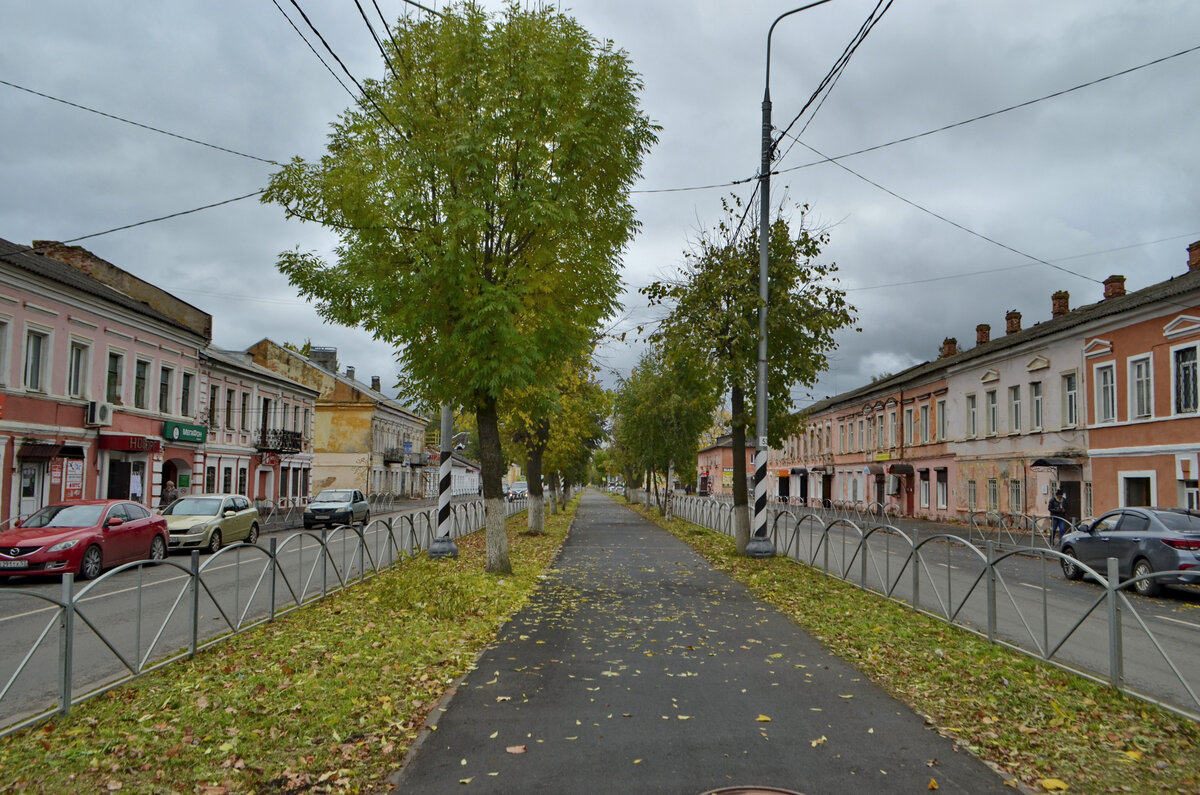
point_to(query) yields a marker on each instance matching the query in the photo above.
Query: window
(214, 395)
(1087, 499)
(210, 479)
(165, 376)
(77, 369)
(943, 489)
(972, 496)
(841, 438)
(861, 439)
(993, 413)
(245, 426)
(227, 479)
(241, 480)
(1015, 502)
(1035, 409)
(141, 374)
(1140, 402)
(1137, 491)
(941, 425)
(895, 430)
(972, 427)
(3, 351)
(229, 393)
(924, 488)
(37, 349)
(923, 430)
(296, 418)
(185, 395)
(1070, 401)
(993, 494)
(114, 380)
(1106, 393)
(908, 426)
(1184, 360)
(1014, 409)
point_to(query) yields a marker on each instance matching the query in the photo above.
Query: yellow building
(361, 438)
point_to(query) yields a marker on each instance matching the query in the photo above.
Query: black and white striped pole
(760, 546)
(443, 546)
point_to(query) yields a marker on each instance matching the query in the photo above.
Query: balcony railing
(276, 440)
(393, 455)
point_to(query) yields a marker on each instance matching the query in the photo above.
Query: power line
(160, 218)
(314, 50)
(114, 117)
(375, 36)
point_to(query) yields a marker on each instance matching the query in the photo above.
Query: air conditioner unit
(99, 414)
(893, 484)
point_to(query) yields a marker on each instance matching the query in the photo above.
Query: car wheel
(1070, 566)
(253, 537)
(92, 563)
(1145, 587)
(366, 518)
(158, 548)
(214, 541)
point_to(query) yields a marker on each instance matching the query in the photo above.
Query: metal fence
(974, 582)
(85, 645)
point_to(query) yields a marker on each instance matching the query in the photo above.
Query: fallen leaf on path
(1054, 785)
(516, 749)
(763, 719)
(493, 735)
(933, 783)
(819, 741)
(466, 780)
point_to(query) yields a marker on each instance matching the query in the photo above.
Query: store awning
(71, 451)
(1056, 462)
(873, 469)
(799, 471)
(39, 451)
(900, 469)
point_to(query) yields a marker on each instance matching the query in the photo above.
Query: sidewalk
(638, 668)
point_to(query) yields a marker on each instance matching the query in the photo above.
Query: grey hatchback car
(337, 506)
(1143, 540)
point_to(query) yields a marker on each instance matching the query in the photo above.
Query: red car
(83, 537)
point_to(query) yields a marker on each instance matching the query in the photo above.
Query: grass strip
(326, 699)
(1051, 729)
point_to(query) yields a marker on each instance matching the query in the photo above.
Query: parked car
(335, 507)
(517, 490)
(1143, 540)
(82, 537)
(209, 521)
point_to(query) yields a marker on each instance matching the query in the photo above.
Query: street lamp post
(443, 545)
(760, 546)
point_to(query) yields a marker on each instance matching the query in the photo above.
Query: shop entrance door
(33, 479)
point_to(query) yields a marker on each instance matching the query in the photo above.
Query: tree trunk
(491, 465)
(741, 514)
(553, 493)
(668, 511)
(649, 478)
(535, 448)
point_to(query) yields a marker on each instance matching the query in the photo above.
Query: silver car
(336, 507)
(1143, 540)
(209, 521)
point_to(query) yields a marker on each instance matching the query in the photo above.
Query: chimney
(375, 383)
(983, 333)
(1012, 322)
(350, 372)
(1060, 303)
(325, 358)
(1114, 286)
(1194, 256)
(949, 347)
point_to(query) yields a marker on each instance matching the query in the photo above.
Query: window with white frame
(1183, 379)
(185, 394)
(943, 489)
(908, 426)
(245, 424)
(166, 377)
(1106, 393)
(229, 398)
(841, 438)
(993, 412)
(1070, 397)
(894, 429)
(1140, 401)
(37, 360)
(78, 365)
(1087, 499)
(861, 439)
(1014, 409)
(993, 494)
(1016, 502)
(214, 397)
(879, 436)
(972, 496)
(924, 488)
(4, 325)
(923, 428)
(114, 383)
(1035, 405)
(941, 422)
(141, 387)
(972, 425)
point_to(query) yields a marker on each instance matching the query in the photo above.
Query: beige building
(361, 438)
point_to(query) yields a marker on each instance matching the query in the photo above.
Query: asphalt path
(637, 667)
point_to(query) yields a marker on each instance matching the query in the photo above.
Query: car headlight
(63, 545)
(198, 528)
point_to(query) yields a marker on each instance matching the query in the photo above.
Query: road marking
(1179, 621)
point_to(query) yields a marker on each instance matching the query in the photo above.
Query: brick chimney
(1060, 303)
(1012, 322)
(1114, 286)
(983, 333)
(350, 373)
(375, 383)
(949, 347)
(1194, 256)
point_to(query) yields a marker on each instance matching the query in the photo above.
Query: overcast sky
(1102, 180)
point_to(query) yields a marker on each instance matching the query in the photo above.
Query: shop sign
(184, 432)
(185, 480)
(883, 456)
(784, 473)
(270, 459)
(73, 488)
(727, 478)
(130, 444)
(56, 471)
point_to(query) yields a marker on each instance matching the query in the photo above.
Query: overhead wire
(314, 50)
(378, 43)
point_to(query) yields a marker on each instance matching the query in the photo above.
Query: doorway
(784, 488)
(33, 484)
(1071, 488)
(126, 480)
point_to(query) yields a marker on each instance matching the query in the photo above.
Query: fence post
(1116, 664)
(272, 563)
(916, 564)
(66, 644)
(991, 592)
(195, 585)
(324, 559)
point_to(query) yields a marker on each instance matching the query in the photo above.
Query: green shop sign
(183, 432)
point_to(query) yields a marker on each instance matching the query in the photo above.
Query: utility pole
(443, 546)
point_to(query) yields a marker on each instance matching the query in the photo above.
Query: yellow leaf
(933, 783)
(225, 747)
(466, 780)
(1054, 785)
(763, 719)
(845, 696)
(1135, 755)
(462, 762)
(819, 741)
(637, 761)
(492, 736)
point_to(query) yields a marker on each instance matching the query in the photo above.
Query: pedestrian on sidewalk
(169, 494)
(1058, 516)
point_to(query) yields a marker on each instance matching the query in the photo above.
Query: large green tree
(714, 303)
(481, 196)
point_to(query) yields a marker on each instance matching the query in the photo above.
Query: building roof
(28, 260)
(240, 360)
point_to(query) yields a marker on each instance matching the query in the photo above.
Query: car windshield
(194, 506)
(333, 496)
(520, 487)
(1180, 522)
(66, 516)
